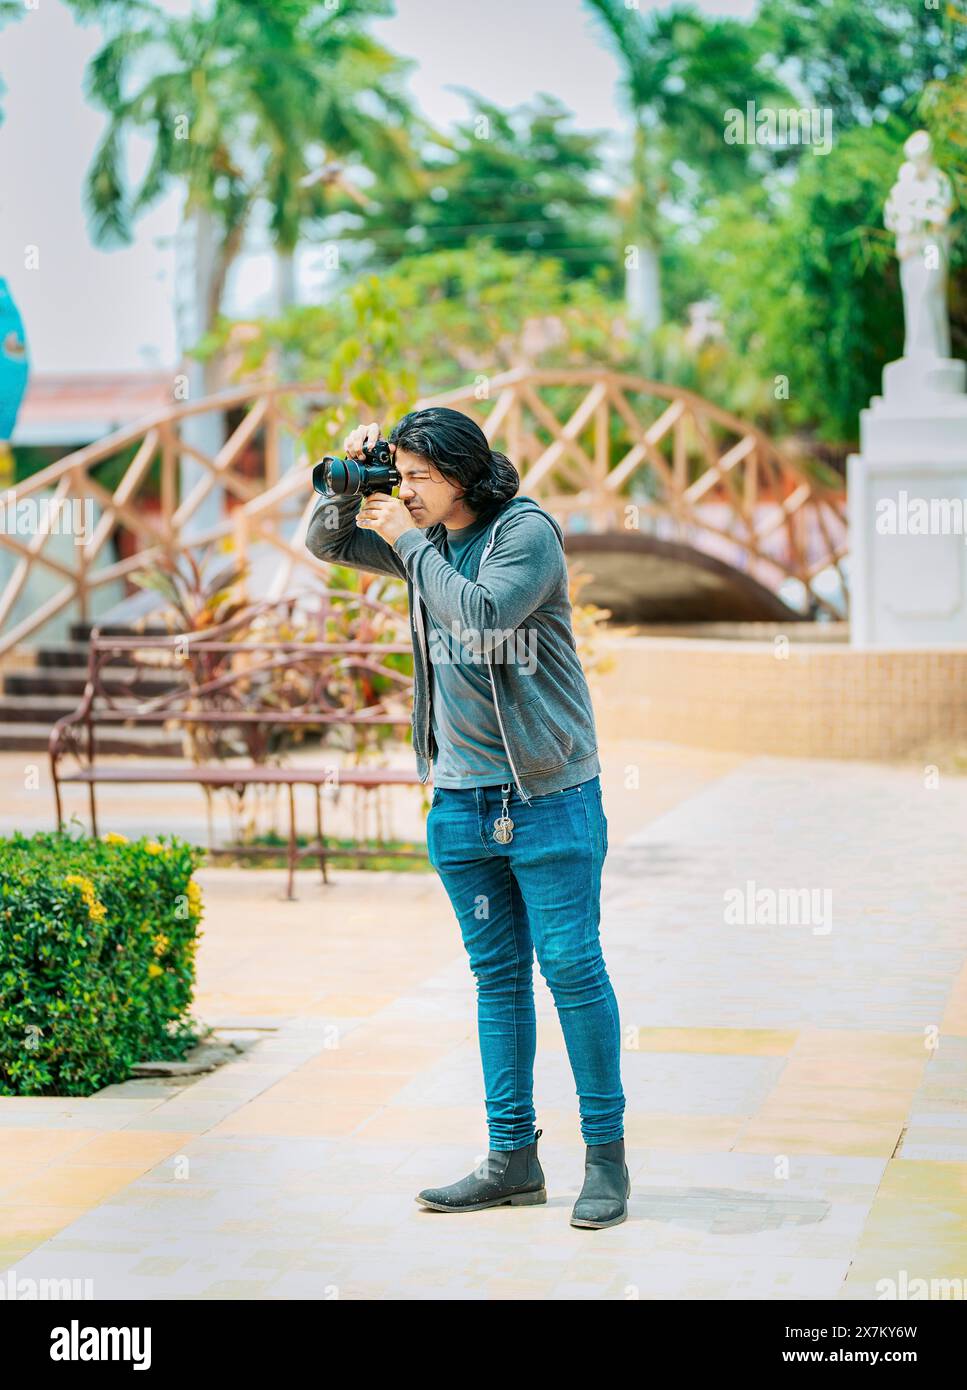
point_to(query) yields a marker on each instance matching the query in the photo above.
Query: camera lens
(336, 476)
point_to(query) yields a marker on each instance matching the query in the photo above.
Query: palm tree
(682, 72)
(240, 103)
(241, 99)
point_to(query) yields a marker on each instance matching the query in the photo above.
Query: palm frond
(104, 192)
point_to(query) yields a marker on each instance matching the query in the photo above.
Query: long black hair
(458, 447)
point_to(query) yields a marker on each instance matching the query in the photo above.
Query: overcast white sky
(87, 309)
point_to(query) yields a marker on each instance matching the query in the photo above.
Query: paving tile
(307, 1118)
(36, 1222)
(25, 1145)
(319, 1075)
(352, 1005)
(73, 1184)
(666, 1131)
(803, 1175)
(38, 1113)
(130, 1147)
(912, 1181)
(799, 1102)
(244, 1289)
(901, 1275)
(940, 1148)
(400, 1123)
(758, 1042)
(917, 1224)
(788, 1135)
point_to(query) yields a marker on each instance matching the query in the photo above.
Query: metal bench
(221, 682)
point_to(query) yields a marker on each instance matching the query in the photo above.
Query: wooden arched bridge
(678, 508)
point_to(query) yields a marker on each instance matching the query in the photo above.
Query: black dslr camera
(350, 478)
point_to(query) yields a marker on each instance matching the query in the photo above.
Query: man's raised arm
(334, 536)
(332, 533)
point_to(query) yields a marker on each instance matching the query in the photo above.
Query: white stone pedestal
(907, 493)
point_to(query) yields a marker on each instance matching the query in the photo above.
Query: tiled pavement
(797, 1095)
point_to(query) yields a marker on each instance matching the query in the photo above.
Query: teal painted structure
(13, 361)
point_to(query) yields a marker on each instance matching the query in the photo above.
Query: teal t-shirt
(470, 751)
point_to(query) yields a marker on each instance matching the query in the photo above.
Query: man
(516, 828)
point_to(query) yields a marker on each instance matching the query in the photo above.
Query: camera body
(351, 478)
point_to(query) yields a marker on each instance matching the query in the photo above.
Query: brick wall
(814, 700)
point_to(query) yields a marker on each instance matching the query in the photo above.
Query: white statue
(918, 211)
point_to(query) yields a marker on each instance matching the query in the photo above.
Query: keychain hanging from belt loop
(503, 825)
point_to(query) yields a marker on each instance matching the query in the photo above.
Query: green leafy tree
(943, 107)
(681, 73)
(804, 272)
(865, 62)
(433, 321)
(809, 288)
(944, 111)
(524, 179)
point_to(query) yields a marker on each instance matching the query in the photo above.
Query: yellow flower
(96, 911)
(84, 884)
(161, 944)
(155, 970)
(193, 893)
(113, 838)
(154, 848)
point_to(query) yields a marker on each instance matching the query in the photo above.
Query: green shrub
(97, 958)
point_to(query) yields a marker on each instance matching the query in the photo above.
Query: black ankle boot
(607, 1187)
(507, 1177)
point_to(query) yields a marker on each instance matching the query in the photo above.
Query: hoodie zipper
(500, 725)
(493, 683)
(418, 609)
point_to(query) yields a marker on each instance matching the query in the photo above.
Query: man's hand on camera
(361, 438)
(385, 515)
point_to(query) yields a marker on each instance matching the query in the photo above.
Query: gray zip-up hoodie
(518, 602)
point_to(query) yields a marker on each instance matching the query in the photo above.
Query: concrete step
(61, 654)
(27, 737)
(35, 709)
(81, 631)
(71, 681)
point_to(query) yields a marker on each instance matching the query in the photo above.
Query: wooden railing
(601, 451)
(609, 452)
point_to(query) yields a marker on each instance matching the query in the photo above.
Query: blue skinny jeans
(539, 893)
